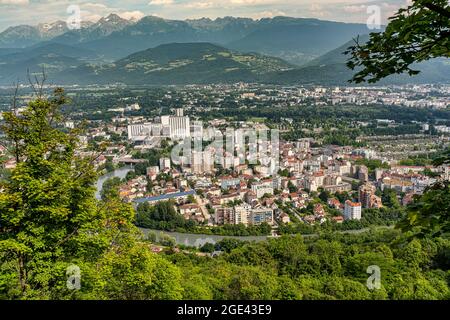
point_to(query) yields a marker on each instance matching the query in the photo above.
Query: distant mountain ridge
(102, 28)
(300, 40)
(296, 40)
(205, 63)
(331, 68)
(25, 35)
(159, 51)
(50, 57)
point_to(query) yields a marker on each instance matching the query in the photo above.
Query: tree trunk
(22, 273)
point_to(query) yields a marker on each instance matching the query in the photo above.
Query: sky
(32, 12)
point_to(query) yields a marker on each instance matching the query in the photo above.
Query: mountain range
(158, 51)
(295, 40)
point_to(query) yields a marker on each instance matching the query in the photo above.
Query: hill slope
(51, 57)
(330, 68)
(180, 63)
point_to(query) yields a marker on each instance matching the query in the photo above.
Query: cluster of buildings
(228, 189)
(404, 95)
(175, 127)
(241, 172)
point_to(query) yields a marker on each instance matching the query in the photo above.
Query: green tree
(50, 219)
(417, 33)
(251, 283)
(389, 198)
(109, 166)
(207, 247)
(110, 188)
(47, 208)
(429, 214)
(324, 195)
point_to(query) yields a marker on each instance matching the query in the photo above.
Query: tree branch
(437, 9)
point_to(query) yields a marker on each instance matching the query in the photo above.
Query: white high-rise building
(165, 120)
(202, 161)
(197, 129)
(242, 213)
(260, 215)
(352, 210)
(175, 127)
(260, 189)
(164, 163)
(139, 131)
(179, 126)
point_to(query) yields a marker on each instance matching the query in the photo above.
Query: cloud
(15, 12)
(160, 2)
(199, 5)
(89, 16)
(318, 10)
(15, 2)
(132, 15)
(93, 6)
(251, 2)
(355, 8)
(268, 14)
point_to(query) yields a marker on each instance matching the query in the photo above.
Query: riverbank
(198, 240)
(120, 173)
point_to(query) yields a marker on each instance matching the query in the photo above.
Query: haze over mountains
(159, 51)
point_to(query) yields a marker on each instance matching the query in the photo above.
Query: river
(120, 172)
(198, 240)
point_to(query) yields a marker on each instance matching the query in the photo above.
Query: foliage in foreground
(332, 266)
(417, 33)
(50, 220)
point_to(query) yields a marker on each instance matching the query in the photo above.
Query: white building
(138, 132)
(352, 210)
(179, 126)
(261, 215)
(242, 213)
(164, 163)
(260, 189)
(202, 161)
(197, 129)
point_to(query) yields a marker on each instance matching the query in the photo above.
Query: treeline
(313, 114)
(162, 216)
(372, 164)
(332, 266)
(53, 231)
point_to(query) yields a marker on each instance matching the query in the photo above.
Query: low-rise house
(338, 219)
(284, 218)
